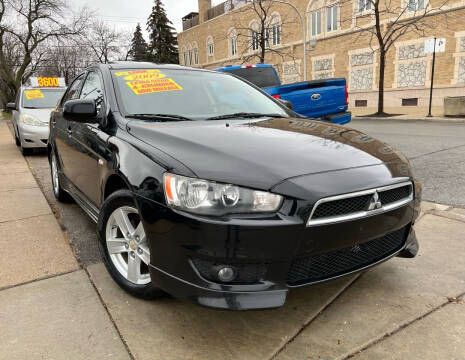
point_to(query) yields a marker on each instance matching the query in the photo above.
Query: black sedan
(204, 187)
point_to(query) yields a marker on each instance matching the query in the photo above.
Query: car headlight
(214, 199)
(31, 120)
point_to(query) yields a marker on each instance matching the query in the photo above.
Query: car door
(89, 142)
(62, 130)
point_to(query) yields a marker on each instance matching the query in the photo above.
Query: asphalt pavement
(436, 152)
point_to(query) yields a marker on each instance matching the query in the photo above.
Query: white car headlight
(214, 199)
(31, 120)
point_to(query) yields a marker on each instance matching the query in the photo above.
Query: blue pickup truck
(325, 100)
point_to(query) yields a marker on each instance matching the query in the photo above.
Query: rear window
(261, 77)
(41, 98)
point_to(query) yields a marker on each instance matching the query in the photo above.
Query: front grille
(246, 273)
(342, 206)
(357, 204)
(393, 195)
(339, 262)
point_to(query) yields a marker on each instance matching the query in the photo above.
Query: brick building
(212, 38)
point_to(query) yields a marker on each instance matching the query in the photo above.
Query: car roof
(141, 65)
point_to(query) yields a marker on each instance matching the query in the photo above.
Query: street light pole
(304, 32)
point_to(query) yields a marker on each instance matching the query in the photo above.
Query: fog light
(226, 274)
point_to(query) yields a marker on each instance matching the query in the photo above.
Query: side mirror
(286, 103)
(11, 106)
(81, 110)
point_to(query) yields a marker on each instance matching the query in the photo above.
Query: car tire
(25, 151)
(124, 247)
(60, 194)
(17, 141)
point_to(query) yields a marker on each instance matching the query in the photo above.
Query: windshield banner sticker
(33, 94)
(141, 87)
(148, 81)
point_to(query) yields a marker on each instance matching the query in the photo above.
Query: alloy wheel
(127, 245)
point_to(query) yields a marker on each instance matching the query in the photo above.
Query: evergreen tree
(138, 51)
(163, 45)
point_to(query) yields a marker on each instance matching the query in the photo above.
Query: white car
(31, 113)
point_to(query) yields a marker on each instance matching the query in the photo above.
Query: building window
(416, 5)
(254, 40)
(232, 42)
(276, 34)
(331, 18)
(196, 56)
(233, 46)
(210, 46)
(316, 22)
(364, 5)
(190, 57)
(184, 55)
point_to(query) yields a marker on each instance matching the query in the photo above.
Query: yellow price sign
(33, 94)
(48, 81)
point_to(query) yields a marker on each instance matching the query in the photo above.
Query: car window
(73, 90)
(92, 89)
(262, 77)
(194, 94)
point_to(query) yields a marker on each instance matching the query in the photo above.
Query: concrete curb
(432, 120)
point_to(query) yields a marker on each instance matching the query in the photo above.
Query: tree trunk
(382, 64)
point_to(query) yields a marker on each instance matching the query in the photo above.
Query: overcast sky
(125, 14)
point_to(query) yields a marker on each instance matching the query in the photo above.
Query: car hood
(42, 115)
(263, 153)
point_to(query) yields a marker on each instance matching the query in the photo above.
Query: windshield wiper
(245, 115)
(159, 117)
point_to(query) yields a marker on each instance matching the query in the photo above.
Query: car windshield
(196, 95)
(41, 98)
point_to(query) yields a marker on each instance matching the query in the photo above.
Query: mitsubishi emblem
(375, 202)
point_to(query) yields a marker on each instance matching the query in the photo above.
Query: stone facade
(461, 74)
(343, 51)
(412, 51)
(411, 74)
(361, 79)
(324, 64)
(361, 59)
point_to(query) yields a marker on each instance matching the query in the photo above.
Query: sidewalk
(48, 306)
(404, 113)
(51, 308)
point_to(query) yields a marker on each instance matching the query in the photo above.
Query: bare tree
(28, 24)
(106, 43)
(66, 58)
(390, 21)
(264, 34)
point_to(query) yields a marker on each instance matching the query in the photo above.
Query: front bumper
(179, 242)
(232, 298)
(33, 136)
